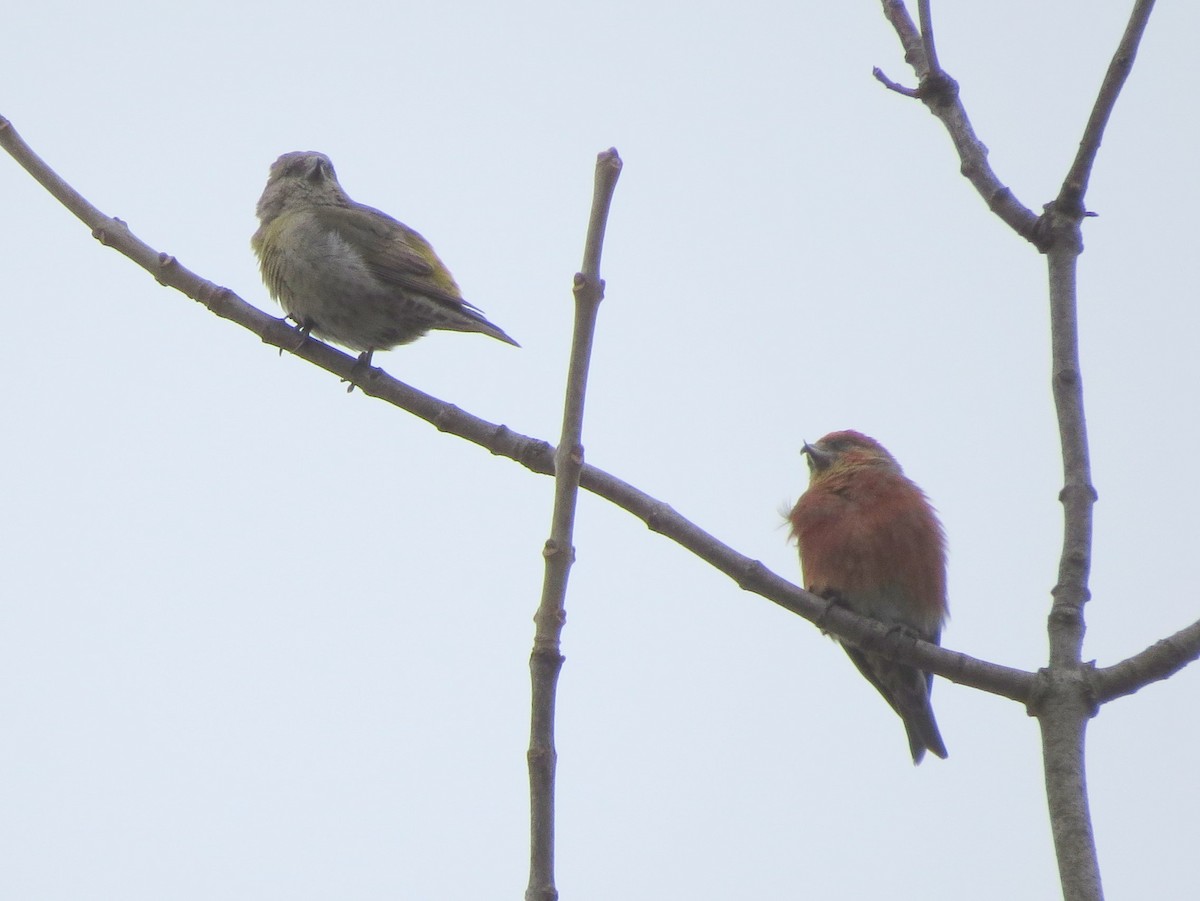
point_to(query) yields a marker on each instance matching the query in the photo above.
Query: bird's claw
(363, 365)
(832, 599)
(305, 331)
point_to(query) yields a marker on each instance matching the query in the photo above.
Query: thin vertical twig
(546, 661)
(1061, 225)
(926, 19)
(1078, 497)
(1069, 700)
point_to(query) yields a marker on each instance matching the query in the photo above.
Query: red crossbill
(347, 272)
(869, 539)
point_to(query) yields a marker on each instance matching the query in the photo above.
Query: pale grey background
(261, 639)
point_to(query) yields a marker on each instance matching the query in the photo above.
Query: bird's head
(300, 179)
(843, 450)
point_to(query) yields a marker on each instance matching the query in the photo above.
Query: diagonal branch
(1161, 660)
(1070, 197)
(535, 454)
(166, 269)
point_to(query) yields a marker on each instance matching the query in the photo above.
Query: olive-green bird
(347, 272)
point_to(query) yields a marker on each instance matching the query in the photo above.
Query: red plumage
(869, 538)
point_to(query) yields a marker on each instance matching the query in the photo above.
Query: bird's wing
(395, 254)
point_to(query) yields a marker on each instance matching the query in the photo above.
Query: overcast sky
(262, 639)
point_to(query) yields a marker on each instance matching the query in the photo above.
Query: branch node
(587, 289)
(1051, 688)
(444, 420)
(659, 517)
(217, 298)
(938, 89)
(751, 575)
(109, 232)
(1067, 378)
(548, 659)
(166, 262)
(1039, 693)
(500, 436)
(532, 453)
(999, 197)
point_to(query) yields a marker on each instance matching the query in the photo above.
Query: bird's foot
(833, 598)
(361, 369)
(304, 329)
(903, 629)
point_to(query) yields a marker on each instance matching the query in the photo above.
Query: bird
(869, 539)
(349, 273)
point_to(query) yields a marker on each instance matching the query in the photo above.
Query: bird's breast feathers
(873, 539)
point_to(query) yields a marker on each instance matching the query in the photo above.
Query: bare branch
(926, 19)
(1078, 496)
(1063, 718)
(1061, 227)
(545, 662)
(893, 85)
(939, 92)
(1070, 197)
(1159, 661)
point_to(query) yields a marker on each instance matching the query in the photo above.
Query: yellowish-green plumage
(350, 273)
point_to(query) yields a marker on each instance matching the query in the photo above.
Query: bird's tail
(923, 733)
(906, 689)
(469, 319)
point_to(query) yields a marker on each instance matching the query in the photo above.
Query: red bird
(869, 539)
